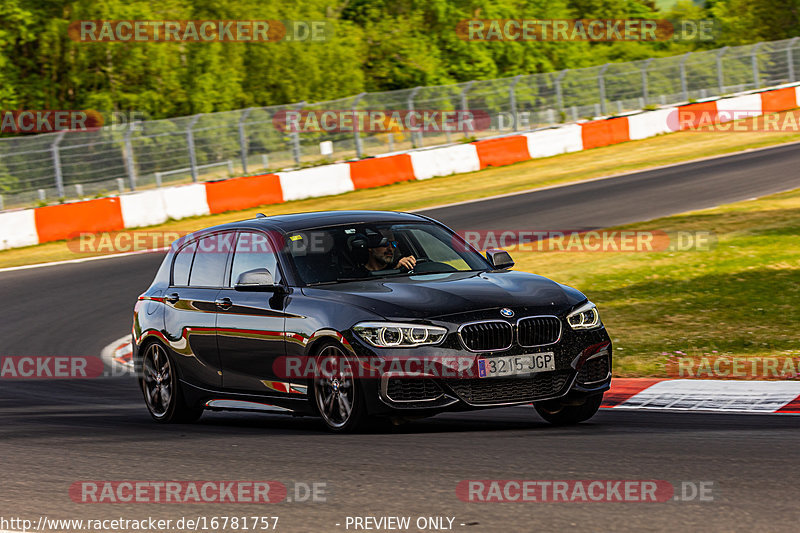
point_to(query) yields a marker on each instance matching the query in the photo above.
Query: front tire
(161, 388)
(560, 414)
(338, 397)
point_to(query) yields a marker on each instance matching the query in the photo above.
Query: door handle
(173, 297)
(223, 303)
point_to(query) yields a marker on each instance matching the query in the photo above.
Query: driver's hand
(407, 262)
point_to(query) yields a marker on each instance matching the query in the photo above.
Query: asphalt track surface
(54, 433)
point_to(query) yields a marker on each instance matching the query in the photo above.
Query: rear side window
(208, 268)
(253, 250)
(183, 264)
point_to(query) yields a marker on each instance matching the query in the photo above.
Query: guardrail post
(121, 185)
(190, 144)
(463, 98)
(295, 136)
(684, 83)
(356, 131)
(720, 72)
(512, 100)
(645, 91)
(1, 203)
(78, 190)
(57, 163)
(601, 82)
(243, 139)
(157, 176)
(790, 57)
(230, 167)
(559, 90)
(754, 60)
(410, 105)
(129, 162)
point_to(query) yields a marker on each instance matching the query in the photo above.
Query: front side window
(208, 268)
(253, 250)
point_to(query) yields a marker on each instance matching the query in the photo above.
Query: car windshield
(370, 251)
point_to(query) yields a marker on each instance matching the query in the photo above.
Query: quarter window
(183, 264)
(208, 268)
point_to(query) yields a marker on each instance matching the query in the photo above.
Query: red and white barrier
(651, 123)
(51, 223)
(185, 201)
(456, 159)
(142, 209)
(554, 141)
(315, 181)
(17, 229)
(726, 396)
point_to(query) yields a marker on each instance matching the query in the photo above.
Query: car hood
(440, 295)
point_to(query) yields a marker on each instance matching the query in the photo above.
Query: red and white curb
(119, 355)
(726, 396)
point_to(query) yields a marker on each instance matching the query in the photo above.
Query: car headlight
(394, 335)
(584, 317)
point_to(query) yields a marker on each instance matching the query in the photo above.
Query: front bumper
(583, 368)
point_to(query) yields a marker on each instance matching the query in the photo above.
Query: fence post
(129, 162)
(57, 163)
(356, 131)
(512, 100)
(684, 83)
(601, 82)
(720, 75)
(190, 144)
(754, 60)
(645, 92)
(559, 90)
(410, 104)
(243, 139)
(295, 136)
(790, 57)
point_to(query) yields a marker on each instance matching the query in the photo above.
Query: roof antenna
(261, 215)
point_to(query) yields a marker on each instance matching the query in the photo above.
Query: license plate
(515, 365)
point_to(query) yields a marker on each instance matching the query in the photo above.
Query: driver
(381, 256)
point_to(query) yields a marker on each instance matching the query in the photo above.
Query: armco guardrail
(138, 209)
(48, 168)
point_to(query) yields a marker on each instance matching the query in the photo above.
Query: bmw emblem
(506, 312)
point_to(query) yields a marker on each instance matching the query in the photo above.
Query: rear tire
(560, 414)
(337, 395)
(162, 390)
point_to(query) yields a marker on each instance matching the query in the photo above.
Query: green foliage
(376, 45)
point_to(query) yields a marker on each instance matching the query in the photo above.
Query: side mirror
(499, 258)
(258, 279)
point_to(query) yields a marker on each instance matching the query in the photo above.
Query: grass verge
(740, 298)
(610, 160)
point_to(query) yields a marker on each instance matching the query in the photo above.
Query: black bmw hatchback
(355, 316)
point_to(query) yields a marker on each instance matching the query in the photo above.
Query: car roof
(302, 221)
